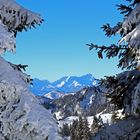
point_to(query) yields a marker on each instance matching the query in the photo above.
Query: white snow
(21, 114)
(61, 84)
(75, 83)
(58, 115)
(67, 78)
(94, 83)
(83, 91)
(106, 118)
(91, 99)
(54, 95)
(131, 29)
(48, 95)
(20, 16)
(13, 16)
(7, 39)
(68, 120)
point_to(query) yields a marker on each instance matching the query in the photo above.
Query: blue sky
(57, 48)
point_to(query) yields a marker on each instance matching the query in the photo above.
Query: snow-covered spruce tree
(96, 125)
(79, 129)
(21, 115)
(65, 130)
(124, 88)
(74, 130)
(86, 129)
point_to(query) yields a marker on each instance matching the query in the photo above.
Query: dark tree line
(80, 130)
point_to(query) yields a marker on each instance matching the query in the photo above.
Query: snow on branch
(132, 20)
(124, 91)
(7, 39)
(129, 44)
(132, 38)
(16, 17)
(20, 68)
(21, 115)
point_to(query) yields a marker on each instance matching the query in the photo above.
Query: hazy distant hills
(63, 86)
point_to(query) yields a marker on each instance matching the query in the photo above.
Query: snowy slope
(65, 85)
(106, 118)
(88, 101)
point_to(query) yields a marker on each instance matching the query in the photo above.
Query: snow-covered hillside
(65, 85)
(88, 101)
(106, 118)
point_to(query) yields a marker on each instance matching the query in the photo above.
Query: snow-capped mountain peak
(64, 85)
(61, 84)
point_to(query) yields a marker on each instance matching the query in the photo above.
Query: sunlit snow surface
(21, 114)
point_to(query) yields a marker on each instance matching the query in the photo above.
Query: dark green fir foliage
(80, 130)
(115, 117)
(65, 130)
(86, 129)
(73, 130)
(123, 89)
(97, 124)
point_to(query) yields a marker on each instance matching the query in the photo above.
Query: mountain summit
(64, 85)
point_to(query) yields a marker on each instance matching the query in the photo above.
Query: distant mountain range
(63, 86)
